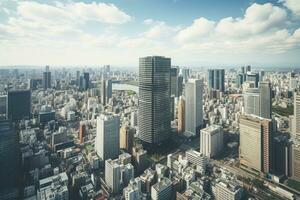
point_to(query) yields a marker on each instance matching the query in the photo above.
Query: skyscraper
(252, 101)
(265, 99)
(296, 122)
(127, 137)
(193, 106)
(18, 104)
(106, 91)
(9, 162)
(216, 79)
(154, 103)
(181, 115)
(47, 79)
(86, 81)
(296, 161)
(173, 76)
(256, 143)
(107, 142)
(253, 77)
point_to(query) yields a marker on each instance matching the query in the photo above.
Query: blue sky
(191, 32)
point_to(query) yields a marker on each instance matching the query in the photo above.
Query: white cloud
(159, 29)
(293, 5)
(200, 28)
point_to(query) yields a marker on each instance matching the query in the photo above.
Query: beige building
(181, 115)
(255, 143)
(296, 123)
(126, 137)
(296, 162)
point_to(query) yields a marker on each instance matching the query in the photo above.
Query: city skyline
(206, 33)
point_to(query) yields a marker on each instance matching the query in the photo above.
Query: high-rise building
(173, 77)
(126, 137)
(179, 87)
(181, 115)
(296, 122)
(211, 141)
(107, 142)
(82, 132)
(252, 101)
(154, 97)
(161, 190)
(248, 68)
(106, 91)
(296, 161)
(239, 80)
(118, 174)
(133, 119)
(256, 143)
(282, 155)
(185, 73)
(34, 83)
(216, 79)
(18, 104)
(3, 105)
(193, 106)
(265, 99)
(86, 81)
(9, 162)
(197, 159)
(253, 77)
(47, 79)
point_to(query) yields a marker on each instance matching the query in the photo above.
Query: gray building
(107, 140)
(106, 91)
(252, 101)
(265, 99)
(18, 104)
(193, 106)
(46, 79)
(161, 190)
(216, 79)
(154, 99)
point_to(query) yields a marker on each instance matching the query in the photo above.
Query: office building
(47, 79)
(265, 100)
(106, 91)
(193, 106)
(296, 161)
(154, 97)
(18, 104)
(185, 73)
(254, 77)
(133, 191)
(134, 119)
(54, 187)
(173, 77)
(282, 156)
(181, 115)
(179, 87)
(211, 141)
(256, 143)
(161, 190)
(252, 101)
(86, 81)
(33, 84)
(82, 132)
(3, 104)
(107, 141)
(239, 80)
(216, 79)
(229, 191)
(118, 174)
(126, 138)
(197, 159)
(9, 160)
(46, 114)
(296, 123)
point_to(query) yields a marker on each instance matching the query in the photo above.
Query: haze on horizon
(194, 33)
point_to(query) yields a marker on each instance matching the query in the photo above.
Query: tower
(154, 103)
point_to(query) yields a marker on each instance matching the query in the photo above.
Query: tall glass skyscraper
(154, 103)
(216, 79)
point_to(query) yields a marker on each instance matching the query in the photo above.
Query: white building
(193, 106)
(133, 191)
(197, 159)
(227, 191)
(54, 187)
(211, 141)
(107, 140)
(162, 190)
(118, 174)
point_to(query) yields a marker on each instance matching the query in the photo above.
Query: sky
(196, 33)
